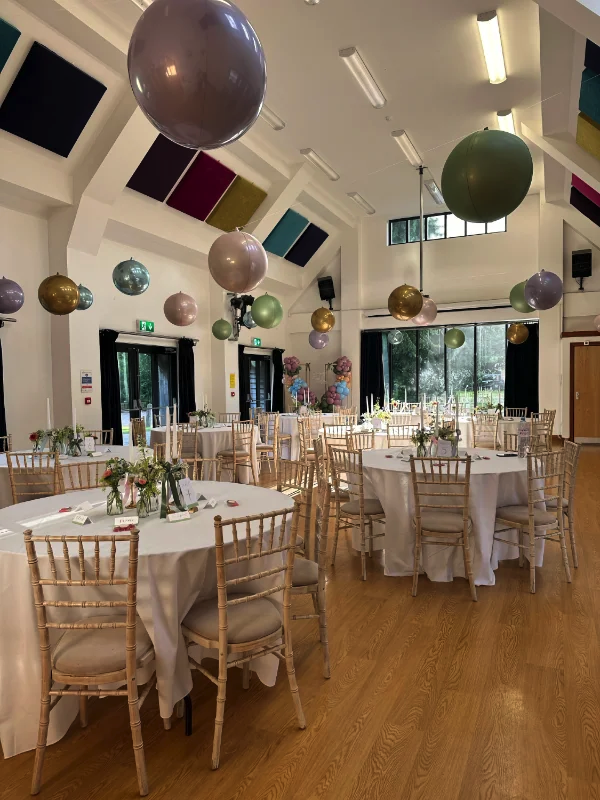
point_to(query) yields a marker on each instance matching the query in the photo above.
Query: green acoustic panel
(588, 135)
(589, 96)
(9, 36)
(237, 206)
(285, 233)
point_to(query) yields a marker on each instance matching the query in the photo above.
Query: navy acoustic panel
(307, 245)
(161, 168)
(585, 205)
(50, 101)
(9, 36)
(592, 56)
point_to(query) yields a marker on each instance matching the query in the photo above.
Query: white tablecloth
(288, 424)
(495, 481)
(176, 566)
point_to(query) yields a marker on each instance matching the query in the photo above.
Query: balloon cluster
(291, 365)
(306, 395)
(542, 291)
(342, 366)
(297, 386)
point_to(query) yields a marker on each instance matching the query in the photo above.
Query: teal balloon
(131, 277)
(517, 299)
(454, 338)
(487, 176)
(267, 311)
(222, 329)
(86, 298)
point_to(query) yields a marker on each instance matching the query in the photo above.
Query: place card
(95, 454)
(444, 448)
(188, 493)
(122, 521)
(178, 516)
(211, 503)
(81, 519)
(201, 504)
(85, 506)
(89, 443)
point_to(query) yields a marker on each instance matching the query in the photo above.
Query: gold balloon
(322, 320)
(58, 294)
(405, 302)
(517, 333)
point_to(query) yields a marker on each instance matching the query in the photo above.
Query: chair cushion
(441, 521)
(299, 541)
(520, 515)
(554, 504)
(372, 507)
(305, 572)
(264, 446)
(230, 453)
(95, 652)
(245, 622)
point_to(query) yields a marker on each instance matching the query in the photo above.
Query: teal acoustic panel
(285, 233)
(589, 96)
(9, 36)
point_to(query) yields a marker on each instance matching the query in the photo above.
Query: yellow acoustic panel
(588, 135)
(237, 206)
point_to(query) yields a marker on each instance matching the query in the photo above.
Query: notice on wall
(232, 380)
(86, 381)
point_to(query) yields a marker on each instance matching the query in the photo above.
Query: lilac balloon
(318, 340)
(197, 71)
(238, 262)
(11, 296)
(427, 314)
(543, 290)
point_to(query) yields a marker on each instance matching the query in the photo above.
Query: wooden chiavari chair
(400, 435)
(248, 625)
(309, 429)
(255, 413)
(572, 453)
(268, 450)
(94, 650)
(34, 475)
(485, 431)
(188, 427)
(545, 483)
(364, 440)
(229, 417)
(351, 411)
(189, 451)
(542, 424)
(335, 436)
(349, 420)
(402, 419)
(515, 412)
(86, 475)
(6, 443)
(357, 512)
(296, 480)
(241, 454)
(160, 449)
(537, 444)
(441, 492)
(102, 437)
(137, 430)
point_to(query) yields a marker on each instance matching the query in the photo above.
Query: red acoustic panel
(201, 188)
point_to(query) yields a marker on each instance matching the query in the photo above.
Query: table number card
(89, 444)
(444, 448)
(179, 516)
(81, 519)
(211, 503)
(121, 522)
(188, 494)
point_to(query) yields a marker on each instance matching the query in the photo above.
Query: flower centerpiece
(38, 438)
(147, 475)
(421, 438)
(74, 440)
(378, 417)
(57, 439)
(205, 417)
(116, 471)
(171, 473)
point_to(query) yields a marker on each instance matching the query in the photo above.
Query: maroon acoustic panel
(202, 186)
(161, 168)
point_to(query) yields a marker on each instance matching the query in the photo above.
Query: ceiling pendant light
(271, 117)
(506, 121)
(408, 148)
(363, 77)
(360, 201)
(434, 191)
(491, 41)
(316, 159)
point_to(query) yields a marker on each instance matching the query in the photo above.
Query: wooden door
(585, 392)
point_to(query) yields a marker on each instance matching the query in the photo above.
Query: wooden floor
(430, 697)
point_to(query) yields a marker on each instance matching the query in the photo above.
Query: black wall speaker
(582, 263)
(326, 290)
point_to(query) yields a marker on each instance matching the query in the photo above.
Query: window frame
(445, 214)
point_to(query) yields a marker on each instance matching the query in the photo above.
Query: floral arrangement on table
(486, 408)
(421, 438)
(147, 475)
(60, 440)
(336, 393)
(116, 471)
(378, 416)
(171, 474)
(206, 417)
(447, 433)
(38, 438)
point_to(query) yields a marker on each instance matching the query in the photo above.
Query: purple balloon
(11, 296)
(543, 290)
(318, 340)
(197, 71)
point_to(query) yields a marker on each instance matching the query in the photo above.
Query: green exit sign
(145, 326)
(256, 342)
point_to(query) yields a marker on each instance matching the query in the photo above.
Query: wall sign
(256, 342)
(145, 326)
(86, 382)
(232, 380)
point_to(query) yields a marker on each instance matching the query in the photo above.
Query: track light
(363, 77)
(360, 201)
(491, 41)
(408, 148)
(316, 159)
(506, 121)
(434, 191)
(271, 117)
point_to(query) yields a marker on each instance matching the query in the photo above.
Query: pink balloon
(180, 309)
(427, 314)
(238, 263)
(337, 401)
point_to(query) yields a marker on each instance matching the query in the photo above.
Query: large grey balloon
(86, 298)
(11, 296)
(318, 340)
(543, 290)
(180, 309)
(131, 277)
(238, 262)
(197, 71)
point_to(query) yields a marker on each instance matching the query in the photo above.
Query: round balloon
(197, 71)
(543, 290)
(517, 333)
(58, 294)
(597, 323)
(454, 338)
(248, 321)
(11, 296)
(222, 329)
(131, 277)
(267, 311)
(487, 176)
(86, 298)
(180, 309)
(427, 314)
(517, 299)
(322, 320)
(405, 302)
(318, 340)
(395, 337)
(238, 262)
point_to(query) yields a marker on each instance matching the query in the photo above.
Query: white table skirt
(176, 567)
(494, 482)
(288, 424)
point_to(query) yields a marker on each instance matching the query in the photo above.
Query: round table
(495, 481)
(288, 425)
(176, 567)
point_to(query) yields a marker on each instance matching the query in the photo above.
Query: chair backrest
(160, 449)
(34, 475)
(537, 444)
(268, 425)
(309, 428)
(137, 429)
(351, 411)
(71, 567)
(323, 506)
(402, 419)
(545, 480)
(400, 435)
(294, 477)
(6, 443)
(322, 471)
(441, 484)
(543, 430)
(233, 416)
(254, 413)
(572, 453)
(335, 436)
(188, 427)
(515, 412)
(86, 475)
(365, 440)
(347, 473)
(188, 443)
(243, 436)
(485, 430)
(101, 437)
(343, 419)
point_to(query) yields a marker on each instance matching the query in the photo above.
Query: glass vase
(147, 503)
(114, 502)
(421, 451)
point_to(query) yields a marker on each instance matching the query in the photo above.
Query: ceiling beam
(563, 148)
(575, 15)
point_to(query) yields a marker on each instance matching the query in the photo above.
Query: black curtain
(186, 380)
(3, 444)
(244, 381)
(522, 372)
(109, 380)
(277, 403)
(371, 368)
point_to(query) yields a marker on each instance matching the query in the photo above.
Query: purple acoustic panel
(161, 168)
(202, 186)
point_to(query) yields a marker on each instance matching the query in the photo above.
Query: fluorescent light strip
(491, 41)
(363, 77)
(312, 2)
(506, 121)
(360, 201)
(408, 148)
(434, 191)
(271, 117)
(316, 159)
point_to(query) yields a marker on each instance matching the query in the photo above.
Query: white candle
(168, 436)
(74, 423)
(48, 419)
(424, 399)
(437, 408)
(205, 402)
(131, 449)
(456, 418)
(174, 445)
(367, 403)
(371, 404)
(422, 425)
(405, 396)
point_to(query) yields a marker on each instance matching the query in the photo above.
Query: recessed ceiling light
(491, 41)
(360, 200)
(506, 121)
(316, 159)
(271, 117)
(434, 191)
(365, 80)
(408, 148)
(312, 2)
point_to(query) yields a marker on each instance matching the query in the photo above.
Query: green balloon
(267, 311)
(487, 176)
(454, 338)
(517, 299)
(222, 329)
